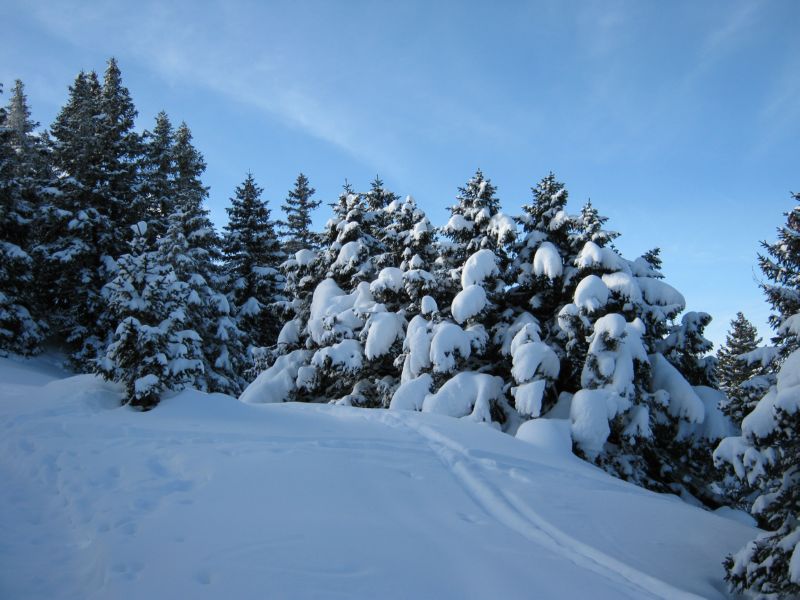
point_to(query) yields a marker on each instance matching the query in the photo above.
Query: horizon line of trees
(107, 250)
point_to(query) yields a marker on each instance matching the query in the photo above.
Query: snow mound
(384, 328)
(468, 302)
(547, 261)
(411, 394)
(479, 267)
(345, 356)
(683, 399)
(448, 344)
(528, 397)
(466, 394)
(591, 293)
(548, 435)
(276, 383)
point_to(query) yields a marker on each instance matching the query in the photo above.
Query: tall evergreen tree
(252, 257)
(734, 369)
(767, 454)
(95, 191)
(198, 263)
(151, 350)
(19, 331)
(158, 174)
(299, 205)
(781, 266)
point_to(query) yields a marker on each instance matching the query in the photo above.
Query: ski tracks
(510, 510)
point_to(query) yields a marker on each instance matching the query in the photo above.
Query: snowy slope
(206, 497)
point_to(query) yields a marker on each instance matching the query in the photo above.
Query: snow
(465, 394)
(589, 414)
(528, 397)
(458, 223)
(468, 302)
(346, 356)
(656, 291)
(683, 400)
(534, 358)
(206, 497)
(427, 305)
(417, 345)
(623, 284)
(593, 256)
(305, 257)
(763, 355)
(411, 394)
(502, 227)
(479, 267)
(547, 261)
(390, 278)
(350, 254)
(789, 375)
(384, 328)
(794, 565)
(329, 301)
(591, 293)
(449, 341)
(276, 383)
(290, 333)
(715, 425)
(551, 436)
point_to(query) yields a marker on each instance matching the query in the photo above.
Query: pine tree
(734, 370)
(252, 257)
(781, 266)
(299, 205)
(687, 348)
(197, 258)
(158, 174)
(94, 192)
(151, 350)
(767, 454)
(20, 332)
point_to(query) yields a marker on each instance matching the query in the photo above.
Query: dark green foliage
(299, 205)
(252, 258)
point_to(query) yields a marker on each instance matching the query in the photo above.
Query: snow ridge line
(511, 511)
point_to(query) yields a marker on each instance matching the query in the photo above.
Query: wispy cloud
(202, 54)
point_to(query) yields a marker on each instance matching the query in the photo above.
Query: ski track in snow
(517, 515)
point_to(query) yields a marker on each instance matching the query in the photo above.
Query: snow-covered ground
(207, 497)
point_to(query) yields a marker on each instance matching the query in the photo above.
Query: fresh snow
(547, 261)
(468, 302)
(207, 497)
(479, 267)
(591, 293)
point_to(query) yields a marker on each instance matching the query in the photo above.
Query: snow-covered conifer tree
(19, 331)
(766, 456)
(736, 372)
(196, 254)
(158, 174)
(252, 257)
(152, 350)
(298, 208)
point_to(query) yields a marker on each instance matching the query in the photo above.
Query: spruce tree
(781, 266)
(766, 456)
(197, 258)
(20, 332)
(734, 370)
(298, 208)
(158, 175)
(252, 257)
(151, 350)
(94, 192)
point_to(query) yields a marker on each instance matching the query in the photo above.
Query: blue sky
(680, 120)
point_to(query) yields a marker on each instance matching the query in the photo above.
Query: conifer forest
(109, 259)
